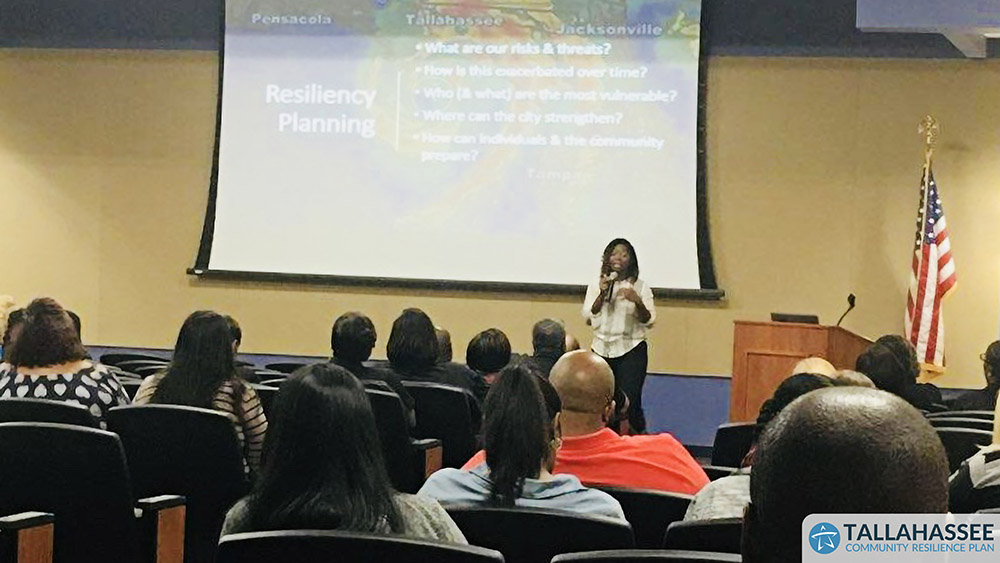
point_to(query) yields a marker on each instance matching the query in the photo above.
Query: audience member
(840, 450)
(48, 361)
(444, 345)
(202, 374)
(891, 371)
(814, 364)
(487, 353)
(851, 378)
(914, 393)
(984, 399)
(521, 441)
(548, 340)
(14, 320)
(595, 453)
(321, 472)
(728, 497)
(352, 339)
(413, 351)
(248, 373)
(976, 484)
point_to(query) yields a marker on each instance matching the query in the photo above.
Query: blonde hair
(815, 365)
(851, 378)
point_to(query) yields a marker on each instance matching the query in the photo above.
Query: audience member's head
(77, 324)
(444, 345)
(840, 450)
(488, 351)
(44, 337)
(235, 333)
(353, 337)
(322, 467)
(413, 344)
(519, 436)
(884, 368)
(572, 343)
(14, 320)
(851, 378)
(202, 361)
(548, 338)
(814, 365)
(789, 390)
(586, 386)
(905, 353)
(991, 364)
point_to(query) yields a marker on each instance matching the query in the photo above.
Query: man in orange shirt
(595, 453)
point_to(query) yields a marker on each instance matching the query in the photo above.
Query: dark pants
(630, 374)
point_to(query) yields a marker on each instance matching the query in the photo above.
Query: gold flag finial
(929, 130)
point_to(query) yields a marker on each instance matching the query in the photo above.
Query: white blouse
(617, 329)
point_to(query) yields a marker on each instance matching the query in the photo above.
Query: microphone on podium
(850, 305)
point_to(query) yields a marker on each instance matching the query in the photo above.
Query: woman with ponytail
(521, 441)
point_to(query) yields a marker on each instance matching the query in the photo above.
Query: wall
(813, 169)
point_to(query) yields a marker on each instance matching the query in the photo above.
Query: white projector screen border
(709, 290)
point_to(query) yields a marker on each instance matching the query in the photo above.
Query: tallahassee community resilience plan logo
(955, 538)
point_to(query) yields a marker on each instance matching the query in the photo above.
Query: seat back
(394, 434)
(961, 422)
(79, 475)
(732, 442)
(718, 472)
(649, 512)
(962, 443)
(285, 367)
(526, 535)
(722, 535)
(186, 451)
(116, 358)
(987, 415)
(444, 412)
(131, 387)
(315, 546)
(143, 367)
(267, 394)
(41, 410)
(644, 556)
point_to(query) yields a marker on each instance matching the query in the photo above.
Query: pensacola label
(900, 537)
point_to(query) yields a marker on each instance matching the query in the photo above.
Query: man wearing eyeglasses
(983, 399)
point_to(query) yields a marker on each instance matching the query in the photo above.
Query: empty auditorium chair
(285, 367)
(642, 556)
(143, 368)
(649, 512)
(962, 443)
(40, 410)
(958, 422)
(732, 442)
(276, 383)
(988, 415)
(525, 535)
(721, 535)
(116, 358)
(191, 451)
(408, 461)
(718, 472)
(449, 414)
(314, 546)
(80, 477)
(27, 537)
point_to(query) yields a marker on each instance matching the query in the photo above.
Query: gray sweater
(423, 518)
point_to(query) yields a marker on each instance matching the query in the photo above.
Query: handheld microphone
(611, 284)
(850, 306)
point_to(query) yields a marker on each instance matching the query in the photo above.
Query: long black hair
(202, 361)
(322, 464)
(413, 343)
(633, 264)
(517, 433)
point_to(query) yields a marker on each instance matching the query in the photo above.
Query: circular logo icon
(824, 538)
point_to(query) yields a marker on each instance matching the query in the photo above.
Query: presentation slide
(461, 140)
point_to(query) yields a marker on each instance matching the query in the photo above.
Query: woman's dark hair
(412, 343)
(633, 264)
(885, 368)
(789, 390)
(353, 337)
(14, 320)
(235, 331)
(991, 364)
(322, 463)
(517, 433)
(202, 361)
(46, 337)
(904, 352)
(488, 351)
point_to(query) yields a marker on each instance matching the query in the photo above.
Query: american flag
(932, 277)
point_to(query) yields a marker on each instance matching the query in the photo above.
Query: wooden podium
(764, 354)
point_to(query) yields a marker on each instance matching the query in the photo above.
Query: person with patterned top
(202, 374)
(47, 361)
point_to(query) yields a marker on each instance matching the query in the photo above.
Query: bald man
(598, 455)
(840, 450)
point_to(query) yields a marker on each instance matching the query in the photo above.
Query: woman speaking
(619, 309)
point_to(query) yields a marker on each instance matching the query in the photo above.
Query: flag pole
(929, 130)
